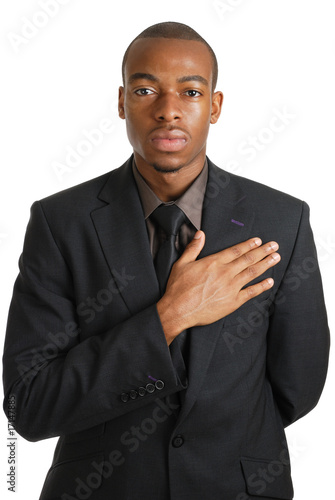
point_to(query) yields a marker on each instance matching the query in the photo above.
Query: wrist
(170, 320)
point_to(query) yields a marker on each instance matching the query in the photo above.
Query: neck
(169, 186)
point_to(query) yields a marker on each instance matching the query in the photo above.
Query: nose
(168, 108)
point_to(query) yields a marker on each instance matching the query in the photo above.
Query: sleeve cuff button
(133, 394)
(124, 397)
(150, 388)
(142, 391)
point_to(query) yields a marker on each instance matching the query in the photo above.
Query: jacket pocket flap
(267, 478)
(76, 478)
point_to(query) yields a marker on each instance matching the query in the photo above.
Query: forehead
(169, 58)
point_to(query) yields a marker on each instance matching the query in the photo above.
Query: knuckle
(212, 262)
(252, 271)
(249, 258)
(237, 252)
(251, 292)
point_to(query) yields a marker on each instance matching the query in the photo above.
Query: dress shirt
(190, 203)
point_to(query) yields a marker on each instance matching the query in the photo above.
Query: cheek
(200, 118)
(201, 126)
(133, 120)
(132, 133)
(135, 131)
(131, 110)
(136, 115)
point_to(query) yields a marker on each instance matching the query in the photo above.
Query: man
(167, 385)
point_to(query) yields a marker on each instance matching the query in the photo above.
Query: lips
(169, 140)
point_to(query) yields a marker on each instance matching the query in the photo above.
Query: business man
(154, 327)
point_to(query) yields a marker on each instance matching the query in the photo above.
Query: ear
(217, 101)
(121, 103)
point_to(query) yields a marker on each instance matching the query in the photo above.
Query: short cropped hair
(177, 31)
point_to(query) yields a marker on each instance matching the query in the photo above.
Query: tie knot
(169, 218)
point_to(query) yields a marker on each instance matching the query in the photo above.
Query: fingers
(193, 249)
(257, 262)
(255, 290)
(243, 256)
(249, 259)
(237, 251)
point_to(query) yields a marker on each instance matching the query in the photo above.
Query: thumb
(194, 248)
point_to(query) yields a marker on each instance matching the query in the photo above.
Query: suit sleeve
(298, 336)
(61, 384)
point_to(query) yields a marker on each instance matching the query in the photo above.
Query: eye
(144, 92)
(193, 93)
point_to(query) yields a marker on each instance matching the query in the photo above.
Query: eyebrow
(193, 78)
(142, 76)
(153, 78)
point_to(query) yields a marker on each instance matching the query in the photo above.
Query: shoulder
(86, 193)
(261, 197)
(85, 197)
(275, 215)
(69, 211)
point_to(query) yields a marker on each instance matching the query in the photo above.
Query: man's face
(168, 103)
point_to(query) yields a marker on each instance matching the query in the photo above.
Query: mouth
(169, 141)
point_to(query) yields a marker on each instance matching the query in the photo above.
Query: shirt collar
(190, 202)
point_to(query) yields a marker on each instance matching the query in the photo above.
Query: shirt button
(142, 391)
(124, 397)
(133, 394)
(178, 441)
(150, 388)
(159, 384)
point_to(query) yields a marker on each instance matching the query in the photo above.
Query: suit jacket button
(133, 394)
(159, 384)
(150, 388)
(142, 391)
(124, 397)
(178, 441)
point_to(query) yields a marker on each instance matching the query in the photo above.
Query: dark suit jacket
(84, 336)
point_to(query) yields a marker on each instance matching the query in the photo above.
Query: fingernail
(275, 256)
(272, 246)
(257, 242)
(270, 281)
(197, 235)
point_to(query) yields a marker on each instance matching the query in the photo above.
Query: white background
(273, 55)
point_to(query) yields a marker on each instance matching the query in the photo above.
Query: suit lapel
(123, 237)
(227, 220)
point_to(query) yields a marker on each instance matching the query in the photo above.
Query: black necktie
(170, 218)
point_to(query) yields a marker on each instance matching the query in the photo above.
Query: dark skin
(188, 106)
(168, 104)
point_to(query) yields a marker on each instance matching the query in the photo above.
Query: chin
(167, 169)
(167, 164)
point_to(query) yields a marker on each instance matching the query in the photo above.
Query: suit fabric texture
(85, 348)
